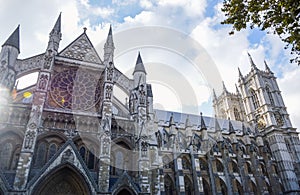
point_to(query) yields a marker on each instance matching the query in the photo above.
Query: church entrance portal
(65, 181)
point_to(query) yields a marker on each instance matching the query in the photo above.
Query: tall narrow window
(236, 114)
(41, 155)
(82, 153)
(52, 151)
(91, 162)
(254, 99)
(270, 96)
(5, 155)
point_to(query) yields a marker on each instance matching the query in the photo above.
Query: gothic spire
(14, 39)
(240, 74)
(109, 45)
(139, 65)
(214, 95)
(224, 87)
(267, 67)
(253, 66)
(57, 26)
(55, 36)
(202, 123)
(237, 90)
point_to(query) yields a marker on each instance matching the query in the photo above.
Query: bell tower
(265, 109)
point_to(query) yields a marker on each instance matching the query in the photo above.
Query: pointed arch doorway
(63, 181)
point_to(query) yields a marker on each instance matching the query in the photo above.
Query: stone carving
(108, 91)
(43, 81)
(144, 148)
(110, 71)
(48, 59)
(105, 144)
(29, 138)
(67, 156)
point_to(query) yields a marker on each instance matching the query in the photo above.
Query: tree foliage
(280, 17)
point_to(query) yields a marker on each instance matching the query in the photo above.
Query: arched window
(186, 163)
(82, 151)
(52, 150)
(169, 186)
(236, 114)
(203, 164)
(220, 167)
(188, 186)
(5, 155)
(41, 155)
(270, 96)
(235, 168)
(254, 99)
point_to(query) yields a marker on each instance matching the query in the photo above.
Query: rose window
(75, 89)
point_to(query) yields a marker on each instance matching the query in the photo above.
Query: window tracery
(254, 99)
(75, 89)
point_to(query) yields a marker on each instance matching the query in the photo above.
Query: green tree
(280, 17)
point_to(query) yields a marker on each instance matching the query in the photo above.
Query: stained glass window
(75, 89)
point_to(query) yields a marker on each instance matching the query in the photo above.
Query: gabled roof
(81, 49)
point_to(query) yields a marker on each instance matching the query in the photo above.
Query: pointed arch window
(236, 114)
(52, 150)
(82, 152)
(254, 99)
(270, 95)
(91, 162)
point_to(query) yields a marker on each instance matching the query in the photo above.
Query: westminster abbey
(69, 134)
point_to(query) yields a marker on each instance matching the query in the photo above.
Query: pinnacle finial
(139, 65)
(14, 39)
(240, 73)
(252, 62)
(110, 30)
(224, 87)
(267, 67)
(214, 94)
(57, 26)
(84, 29)
(237, 89)
(202, 123)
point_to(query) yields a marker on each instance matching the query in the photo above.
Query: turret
(8, 56)
(139, 73)
(109, 46)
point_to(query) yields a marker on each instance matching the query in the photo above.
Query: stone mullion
(31, 132)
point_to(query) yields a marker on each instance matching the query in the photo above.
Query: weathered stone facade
(69, 134)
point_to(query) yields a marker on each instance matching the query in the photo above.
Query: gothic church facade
(69, 134)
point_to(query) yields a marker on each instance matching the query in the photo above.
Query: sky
(174, 26)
